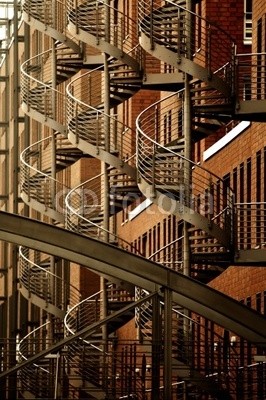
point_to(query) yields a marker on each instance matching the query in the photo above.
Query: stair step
(118, 189)
(201, 88)
(212, 109)
(208, 97)
(217, 258)
(204, 245)
(200, 237)
(211, 126)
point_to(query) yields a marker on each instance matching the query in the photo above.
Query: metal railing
(168, 173)
(251, 225)
(91, 17)
(170, 255)
(251, 76)
(84, 213)
(39, 379)
(218, 362)
(43, 283)
(188, 35)
(51, 13)
(87, 120)
(251, 382)
(38, 182)
(38, 93)
(90, 309)
(87, 360)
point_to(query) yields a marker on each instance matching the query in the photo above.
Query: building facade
(133, 200)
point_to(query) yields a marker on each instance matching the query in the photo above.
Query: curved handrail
(20, 347)
(207, 45)
(208, 22)
(101, 349)
(40, 281)
(247, 323)
(52, 14)
(45, 12)
(91, 18)
(92, 317)
(87, 119)
(165, 256)
(177, 132)
(190, 188)
(81, 213)
(38, 93)
(34, 377)
(41, 186)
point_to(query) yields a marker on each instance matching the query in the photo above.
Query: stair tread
(200, 245)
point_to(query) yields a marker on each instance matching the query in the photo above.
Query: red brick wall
(242, 282)
(229, 16)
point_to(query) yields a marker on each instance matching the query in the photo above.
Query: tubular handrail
(250, 76)
(211, 46)
(166, 257)
(250, 54)
(70, 88)
(37, 88)
(88, 117)
(24, 65)
(87, 121)
(31, 333)
(48, 276)
(208, 22)
(138, 124)
(52, 185)
(73, 208)
(38, 374)
(49, 12)
(93, 298)
(119, 36)
(38, 92)
(250, 220)
(152, 155)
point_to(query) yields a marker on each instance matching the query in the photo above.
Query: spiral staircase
(84, 363)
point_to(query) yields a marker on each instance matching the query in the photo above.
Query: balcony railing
(251, 225)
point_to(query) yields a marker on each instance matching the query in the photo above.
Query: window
(247, 21)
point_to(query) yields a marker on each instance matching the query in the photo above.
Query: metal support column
(53, 144)
(26, 117)
(187, 172)
(105, 167)
(167, 344)
(13, 306)
(187, 128)
(106, 131)
(53, 160)
(156, 346)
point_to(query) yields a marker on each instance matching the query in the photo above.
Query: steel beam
(105, 259)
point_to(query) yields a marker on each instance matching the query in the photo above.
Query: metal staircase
(106, 260)
(206, 202)
(87, 122)
(190, 366)
(41, 186)
(221, 88)
(44, 288)
(163, 173)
